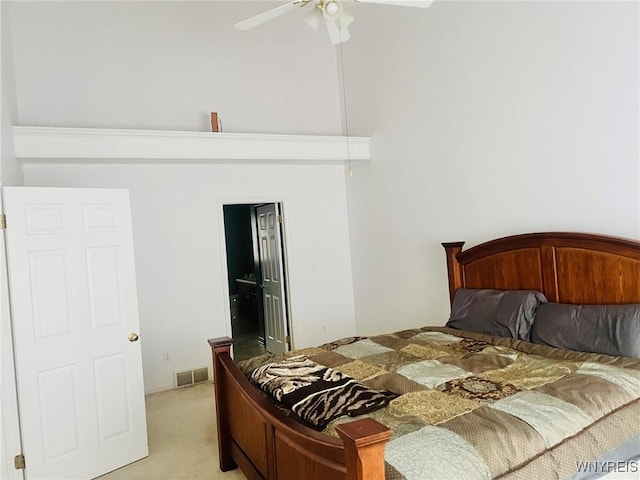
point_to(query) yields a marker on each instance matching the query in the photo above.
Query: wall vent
(191, 377)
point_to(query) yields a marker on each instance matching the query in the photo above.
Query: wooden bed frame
(267, 445)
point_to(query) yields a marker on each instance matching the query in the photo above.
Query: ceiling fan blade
(269, 15)
(401, 3)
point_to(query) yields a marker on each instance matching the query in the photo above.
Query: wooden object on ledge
(215, 126)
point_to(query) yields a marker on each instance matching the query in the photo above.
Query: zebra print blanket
(315, 393)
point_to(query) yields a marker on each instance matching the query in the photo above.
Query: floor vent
(200, 375)
(190, 377)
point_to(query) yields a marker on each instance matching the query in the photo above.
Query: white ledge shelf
(55, 144)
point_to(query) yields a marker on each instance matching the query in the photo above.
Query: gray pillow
(502, 313)
(607, 329)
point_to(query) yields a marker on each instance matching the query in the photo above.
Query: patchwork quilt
(471, 406)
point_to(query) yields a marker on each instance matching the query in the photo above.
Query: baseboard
(159, 388)
(168, 386)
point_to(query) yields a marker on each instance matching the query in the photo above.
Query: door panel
(104, 292)
(74, 303)
(58, 401)
(111, 383)
(51, 294)
(273, 288)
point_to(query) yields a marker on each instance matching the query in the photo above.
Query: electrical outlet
(324, 328)
(166, 356)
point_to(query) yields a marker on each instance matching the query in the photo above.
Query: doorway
(256, 278)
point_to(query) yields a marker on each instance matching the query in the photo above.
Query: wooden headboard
(566, 267)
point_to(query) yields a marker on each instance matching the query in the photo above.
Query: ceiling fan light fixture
(332, 7)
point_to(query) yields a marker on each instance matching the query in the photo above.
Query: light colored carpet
(182, 439)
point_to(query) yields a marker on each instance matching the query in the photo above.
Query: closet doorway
(256, 278)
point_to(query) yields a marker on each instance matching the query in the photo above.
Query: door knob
(133, 337)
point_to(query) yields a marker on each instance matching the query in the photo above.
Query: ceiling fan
(333, 12)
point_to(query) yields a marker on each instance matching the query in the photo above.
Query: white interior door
(74, 308)
(273, 292)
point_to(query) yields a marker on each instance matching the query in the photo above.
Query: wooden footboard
(267, 445)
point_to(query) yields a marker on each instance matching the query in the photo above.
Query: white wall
(488, 119)
(178, 241)
(167, 65)
(10, 169)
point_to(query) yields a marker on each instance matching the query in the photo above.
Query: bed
(267, 442)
